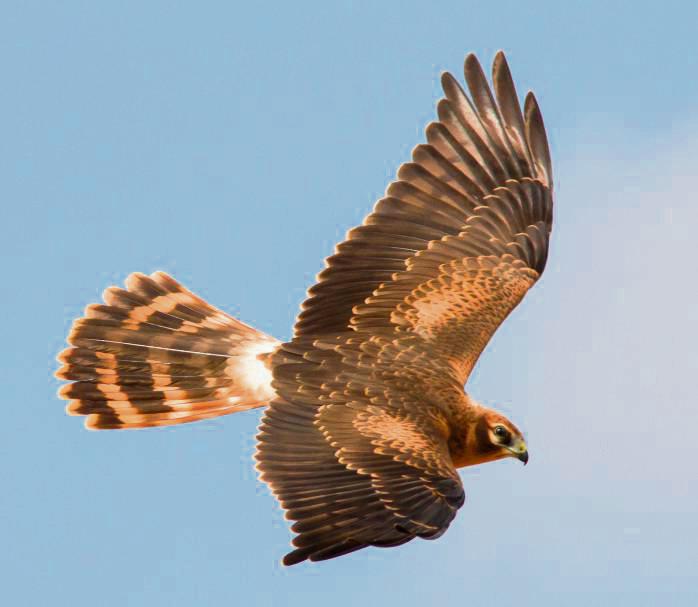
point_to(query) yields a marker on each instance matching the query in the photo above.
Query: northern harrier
(366, 419)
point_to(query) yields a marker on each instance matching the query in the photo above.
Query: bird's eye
(502, 434)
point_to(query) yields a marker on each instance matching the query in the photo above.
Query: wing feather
(483, 177)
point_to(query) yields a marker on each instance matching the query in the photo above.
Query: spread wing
(355, 444)
(459, 238)
(353, 462)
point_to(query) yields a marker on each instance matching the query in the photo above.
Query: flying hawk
(366, 418)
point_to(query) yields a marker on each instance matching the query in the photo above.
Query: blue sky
(232, 145)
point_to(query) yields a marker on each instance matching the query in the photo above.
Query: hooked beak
(520, 451)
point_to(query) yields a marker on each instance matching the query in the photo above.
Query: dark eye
(502, 433)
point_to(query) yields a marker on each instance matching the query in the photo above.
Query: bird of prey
(366, 418)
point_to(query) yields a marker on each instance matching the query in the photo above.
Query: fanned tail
(155, 354)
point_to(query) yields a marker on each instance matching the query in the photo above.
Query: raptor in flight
(366, 419)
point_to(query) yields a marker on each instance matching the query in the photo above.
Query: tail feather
(155, 354)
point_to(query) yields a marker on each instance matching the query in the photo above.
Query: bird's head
(489, 437)
(496, 438)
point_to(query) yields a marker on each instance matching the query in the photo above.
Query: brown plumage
(157, 355)
(367, 418)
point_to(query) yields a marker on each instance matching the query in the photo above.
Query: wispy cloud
(624, 262)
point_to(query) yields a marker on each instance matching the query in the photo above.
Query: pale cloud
(625, 330)
(626, 319)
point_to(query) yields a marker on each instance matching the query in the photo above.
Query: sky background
(232, 144)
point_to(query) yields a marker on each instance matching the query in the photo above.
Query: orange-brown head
(489, 436)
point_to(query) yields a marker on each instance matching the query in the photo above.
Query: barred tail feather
(155, 354)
